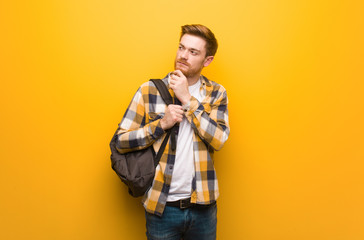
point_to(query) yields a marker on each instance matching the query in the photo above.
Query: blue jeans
(196, 223)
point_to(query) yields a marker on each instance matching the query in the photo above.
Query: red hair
(203, 32)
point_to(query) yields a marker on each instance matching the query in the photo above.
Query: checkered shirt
(140, 128)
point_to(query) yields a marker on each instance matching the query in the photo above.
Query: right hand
(173, 115)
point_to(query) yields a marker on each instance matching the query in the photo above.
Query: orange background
(291, 169)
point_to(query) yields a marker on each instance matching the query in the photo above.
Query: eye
(193, 52)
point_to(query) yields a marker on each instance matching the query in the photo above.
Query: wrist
(163, 124)
(186, 106)
(186, 100)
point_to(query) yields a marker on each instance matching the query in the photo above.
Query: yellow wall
(292, 168)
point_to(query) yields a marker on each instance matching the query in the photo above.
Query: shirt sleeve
(211, 120)
(135, 132)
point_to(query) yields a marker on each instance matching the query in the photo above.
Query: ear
(208, 60)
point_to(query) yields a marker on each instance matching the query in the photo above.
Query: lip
(182, 63)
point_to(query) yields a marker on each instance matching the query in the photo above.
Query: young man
(181, 204)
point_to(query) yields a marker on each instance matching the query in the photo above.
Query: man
(181, 204)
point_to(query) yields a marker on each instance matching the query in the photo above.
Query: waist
(186, 203)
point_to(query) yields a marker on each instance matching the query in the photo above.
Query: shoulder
(149, 86)
(217, 90)
(148, 91)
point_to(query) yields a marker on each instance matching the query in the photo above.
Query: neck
(192, 80)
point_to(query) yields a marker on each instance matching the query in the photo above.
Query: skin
(190, 60)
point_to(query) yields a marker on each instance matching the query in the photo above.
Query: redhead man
(181, 203)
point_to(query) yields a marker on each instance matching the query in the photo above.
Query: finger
(175, 106)
(173, 82)
(178, 114)
(179, 118)
(178, 73)
(175, 76)
(178, 109)
(172, 86)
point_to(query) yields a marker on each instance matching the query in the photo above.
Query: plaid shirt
(140, 128)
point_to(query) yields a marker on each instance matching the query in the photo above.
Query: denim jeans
(196, 223)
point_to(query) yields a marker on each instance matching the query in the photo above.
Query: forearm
(210, 120)
(131, 140)
(137, 130)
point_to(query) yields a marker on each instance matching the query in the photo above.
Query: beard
(183, 68)
(186, 69)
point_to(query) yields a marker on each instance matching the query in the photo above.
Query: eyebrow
(194, 49)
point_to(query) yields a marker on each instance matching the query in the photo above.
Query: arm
(135, 132)
(211, 120)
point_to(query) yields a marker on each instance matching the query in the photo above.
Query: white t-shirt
(184, 166)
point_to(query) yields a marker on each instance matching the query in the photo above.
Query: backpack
(137, 169)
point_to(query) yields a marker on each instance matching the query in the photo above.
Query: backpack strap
(161, 149)
(163, 90)
(168, 99)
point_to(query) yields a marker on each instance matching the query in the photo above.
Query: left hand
(179, 84)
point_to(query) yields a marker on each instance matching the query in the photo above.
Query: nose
(184, 54)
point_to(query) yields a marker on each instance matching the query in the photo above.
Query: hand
(173, 115)
(179, 84)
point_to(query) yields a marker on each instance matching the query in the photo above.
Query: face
(191, 56)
